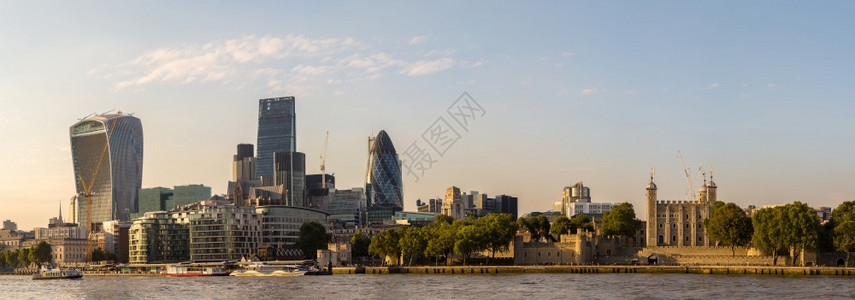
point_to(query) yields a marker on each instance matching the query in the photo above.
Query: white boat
(263, 269)
(57, 274)
(181, 270)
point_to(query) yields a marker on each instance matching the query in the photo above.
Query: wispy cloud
(714, 85)
(589, 91)
(567, 54)
(277, 63)
(418, 40)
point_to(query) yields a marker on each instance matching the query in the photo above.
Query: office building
(346, 206)
(277, 132)
(243, 163)
(320, 189)
(107, 156)
(161, 198)
(290, 172)
(9, 225)
(383, 181)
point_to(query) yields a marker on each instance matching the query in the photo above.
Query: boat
(48, 273)
(193, 271)
(264, 269)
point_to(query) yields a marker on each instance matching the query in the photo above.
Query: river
(412, 286)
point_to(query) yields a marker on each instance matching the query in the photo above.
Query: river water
(412, 286)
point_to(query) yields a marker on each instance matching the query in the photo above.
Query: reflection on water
(411, 286)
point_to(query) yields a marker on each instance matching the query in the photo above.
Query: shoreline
(614, 269)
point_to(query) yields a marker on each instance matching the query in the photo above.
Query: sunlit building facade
(107, 156)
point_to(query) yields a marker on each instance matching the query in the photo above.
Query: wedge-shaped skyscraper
(107, 154)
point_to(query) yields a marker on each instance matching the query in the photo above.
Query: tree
(538, 225)
(441, 242)
(98, 255)
(470, 240)
(729, 226)
(40, 253)
(386, 244)
(561, 225)
(844, 238)
(359, 245)
(621, 221)
(440, 218)
(844, 212)
(11, 258)
(3, 259)
(803, 229)
(580, 221)
(313, 236)
(767, 225)
(24, 257)
(792, 227)
(413, 243)
(499, 232)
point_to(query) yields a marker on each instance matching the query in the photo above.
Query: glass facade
(277, 131)
(107, 155)
(290, 171)
(383, 184)
(281, 224)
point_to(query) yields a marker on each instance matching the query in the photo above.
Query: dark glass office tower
(107, 155)
(290, 171)
(383, 181)
(277, 132)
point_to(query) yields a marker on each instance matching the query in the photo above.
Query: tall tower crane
(323, 162)
(87, 189)
(690, 180)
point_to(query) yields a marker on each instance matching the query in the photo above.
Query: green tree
(359, 245)
(802, 234)
(11, 258)
(499, 231)
(3, 263)
(470, 240)
(621, 221)
(413, 243)
(729, 226)
(440, 218)
(40, 253)
(581, 221)
(768, 223)
(98, 255)
(844, 238)
(844, 212)
(538, 225)
(24, 257)
(386, 244)
(441, 242)
(313, 236)
(561, 225)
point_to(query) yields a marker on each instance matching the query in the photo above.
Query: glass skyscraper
(277, 132)
(107, 154)
(383, 181)
(290, 171)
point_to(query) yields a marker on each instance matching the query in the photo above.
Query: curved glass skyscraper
(383, 181)
(107, 153)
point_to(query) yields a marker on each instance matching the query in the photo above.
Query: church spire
(60, 211)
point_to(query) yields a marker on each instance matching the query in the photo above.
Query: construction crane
(690, 180)
(323, 162)
(87, 189)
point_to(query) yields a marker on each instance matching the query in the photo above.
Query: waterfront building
(290, 172)
(116, 239)
(679, 223)
(277, 132)
(383, 180)
(337, 253)
(243, 163)
(8, 224)
(346, 206)
(223, 232)
(161, 198)
(159, 236)
(107, 156)
(152, 199)
(280, 225)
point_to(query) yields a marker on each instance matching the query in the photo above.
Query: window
(660, 225)
(673, 225)
(673, 238)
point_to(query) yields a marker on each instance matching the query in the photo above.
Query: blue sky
(574, 91)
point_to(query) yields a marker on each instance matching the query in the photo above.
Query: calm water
(509, 286)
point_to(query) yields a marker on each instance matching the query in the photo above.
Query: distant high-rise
(290, 171)
(244, 163)
(107, 155)
(383, 180)
(277, 132)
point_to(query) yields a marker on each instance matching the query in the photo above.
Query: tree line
(38, 254)
(783, 230)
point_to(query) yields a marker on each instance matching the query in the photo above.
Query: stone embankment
(733, 270)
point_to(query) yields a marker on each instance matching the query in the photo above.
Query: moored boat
(57, 274)
(193, 271)
(263, 269)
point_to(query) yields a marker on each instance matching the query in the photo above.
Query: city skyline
(592, 92)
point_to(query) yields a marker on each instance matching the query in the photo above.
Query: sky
(595, 91)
